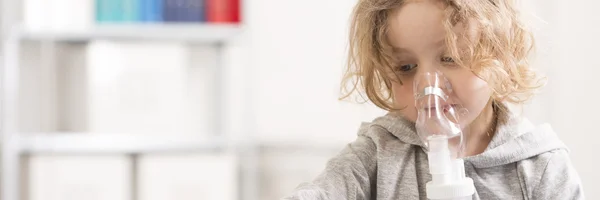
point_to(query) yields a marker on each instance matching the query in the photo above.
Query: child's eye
(447, 59)
(405, 68)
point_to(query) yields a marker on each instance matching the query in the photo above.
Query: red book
(223, 11)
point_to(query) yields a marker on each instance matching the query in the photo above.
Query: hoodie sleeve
(559, 180)
(349, 175)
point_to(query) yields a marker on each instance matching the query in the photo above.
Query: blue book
(172, 10)
(102, 6)
(152, 10)
(107, 11)
(157, 8)
(200, 11)
(143, 10)
(130, 10)
(114, 13)
(181, 10)
(140, 10)
(194, 11)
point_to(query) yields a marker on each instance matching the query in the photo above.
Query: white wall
(574, 93)
(298, 53)
(284, 83)
(568, 42)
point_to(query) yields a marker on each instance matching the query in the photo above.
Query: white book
(58, 15)
(79, 177)
(201, 82)
(187, 177)
(36, 15)
(37, 99)
(72, 85)
(72, 15)
(140, 88)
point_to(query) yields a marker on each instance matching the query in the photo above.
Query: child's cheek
(472, 89)
(404, 98)
(473, 93)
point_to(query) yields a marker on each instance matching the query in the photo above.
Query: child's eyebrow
(400, 50)
(440, 43)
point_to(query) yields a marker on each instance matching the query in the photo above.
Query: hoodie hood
(515, 139)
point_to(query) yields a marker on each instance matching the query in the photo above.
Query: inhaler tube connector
(440, 163)
(459, 187)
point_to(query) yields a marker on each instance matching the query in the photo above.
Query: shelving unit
(102, 143)
(16, 144)
(189, 33)
(256, 159)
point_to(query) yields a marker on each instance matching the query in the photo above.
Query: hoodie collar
(401, 128)
(515, 139)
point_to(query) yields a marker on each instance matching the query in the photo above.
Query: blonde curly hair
(499, 55)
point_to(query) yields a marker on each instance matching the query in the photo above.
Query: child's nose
(432, 82)
(428, 67)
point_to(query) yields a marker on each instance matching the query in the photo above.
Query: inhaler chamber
(439, 128)
(438, 115)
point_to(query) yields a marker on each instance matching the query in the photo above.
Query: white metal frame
(14, 145)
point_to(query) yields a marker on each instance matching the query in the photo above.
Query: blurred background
(221, 99)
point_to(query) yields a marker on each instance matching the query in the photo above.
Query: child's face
(418, 36)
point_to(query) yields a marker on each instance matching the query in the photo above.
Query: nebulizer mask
(439, 128)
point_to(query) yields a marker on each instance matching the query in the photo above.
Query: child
(482, 48)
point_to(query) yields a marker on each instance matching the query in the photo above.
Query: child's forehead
(419, 24)
(423, 25)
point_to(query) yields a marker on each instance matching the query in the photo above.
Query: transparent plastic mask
(438, 113)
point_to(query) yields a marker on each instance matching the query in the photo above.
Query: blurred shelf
(197, 33)
(119, 143)
(301, 146)
(114, 143)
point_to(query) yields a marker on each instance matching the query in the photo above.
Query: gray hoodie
(387, 161)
